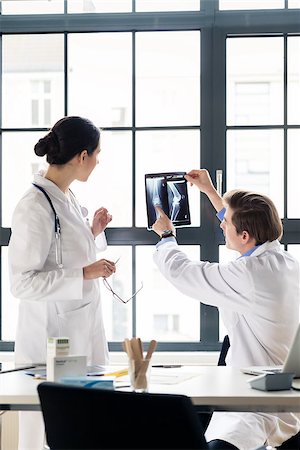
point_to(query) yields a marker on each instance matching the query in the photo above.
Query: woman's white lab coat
(54, 301)
(258, 299)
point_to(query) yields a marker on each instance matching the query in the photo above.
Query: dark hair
(68, 137)
(254, 213)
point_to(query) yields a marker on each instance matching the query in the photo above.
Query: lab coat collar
(267, 246)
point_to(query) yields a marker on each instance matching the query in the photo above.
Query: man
(257, 296)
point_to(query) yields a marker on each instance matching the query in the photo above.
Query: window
(41, 103)
(183, 88)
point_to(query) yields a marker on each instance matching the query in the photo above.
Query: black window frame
(215, 27)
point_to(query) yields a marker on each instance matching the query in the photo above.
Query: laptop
(291, 364)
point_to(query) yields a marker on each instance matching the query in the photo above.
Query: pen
(17, 369)
(117, 373)
(167, 366)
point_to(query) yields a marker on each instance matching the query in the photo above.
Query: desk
(212, 388)
(226, 389)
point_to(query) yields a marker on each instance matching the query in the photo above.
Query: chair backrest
(224, 351)
(82, 418)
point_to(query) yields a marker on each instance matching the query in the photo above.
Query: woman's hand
(162, 223)
(100, 221)
(102, 268)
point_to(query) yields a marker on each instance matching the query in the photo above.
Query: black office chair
(204, 418)
(224, 351)
(81, 418)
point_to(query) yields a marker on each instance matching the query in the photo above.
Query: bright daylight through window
(165, 102)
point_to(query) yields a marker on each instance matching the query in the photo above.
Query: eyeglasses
(115, 295)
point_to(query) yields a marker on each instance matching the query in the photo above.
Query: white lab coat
(54, 301)
(258, 299)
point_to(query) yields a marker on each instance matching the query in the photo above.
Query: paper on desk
(163, 376)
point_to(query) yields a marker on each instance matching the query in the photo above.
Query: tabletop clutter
(72, 369)
(60, 362)
(139, 363)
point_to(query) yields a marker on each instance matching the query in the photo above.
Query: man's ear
(246, 237)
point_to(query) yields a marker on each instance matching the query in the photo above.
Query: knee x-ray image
(169, 191)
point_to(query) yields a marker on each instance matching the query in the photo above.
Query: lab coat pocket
(75, 325)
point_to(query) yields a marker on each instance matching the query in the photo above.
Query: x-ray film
(169, 191)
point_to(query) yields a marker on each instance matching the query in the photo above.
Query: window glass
(32, 6)
(110, 183)
(251, 4)
(166, 151)
(33, 80)
(293, 174)
(99, 6)
(168, 78)
(255, 81)
(294, 80)
(19, 164)
(167, 5)
(255, 162)
(294, 3)
(117, 316)
(100, 78)
(102, 189)
(163, 313)
(294, 249)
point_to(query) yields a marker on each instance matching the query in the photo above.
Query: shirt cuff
(220, 215)
(164, 240)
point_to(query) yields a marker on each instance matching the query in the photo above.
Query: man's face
(233, 240)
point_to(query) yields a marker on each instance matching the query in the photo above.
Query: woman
(55, 275)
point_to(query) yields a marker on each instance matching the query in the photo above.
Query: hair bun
(47, 145)
(41, 147)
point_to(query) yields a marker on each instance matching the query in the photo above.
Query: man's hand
(162, 223)
(202, 180)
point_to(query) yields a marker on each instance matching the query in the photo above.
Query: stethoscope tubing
(57, 228)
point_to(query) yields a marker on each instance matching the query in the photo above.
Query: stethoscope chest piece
(84, 211)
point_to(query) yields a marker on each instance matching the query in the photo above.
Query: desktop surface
(209, 387)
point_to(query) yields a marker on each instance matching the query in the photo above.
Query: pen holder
(139, 374)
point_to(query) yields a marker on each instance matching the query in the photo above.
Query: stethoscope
(57, 227)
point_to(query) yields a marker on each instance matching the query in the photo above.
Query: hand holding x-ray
(162, 223)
